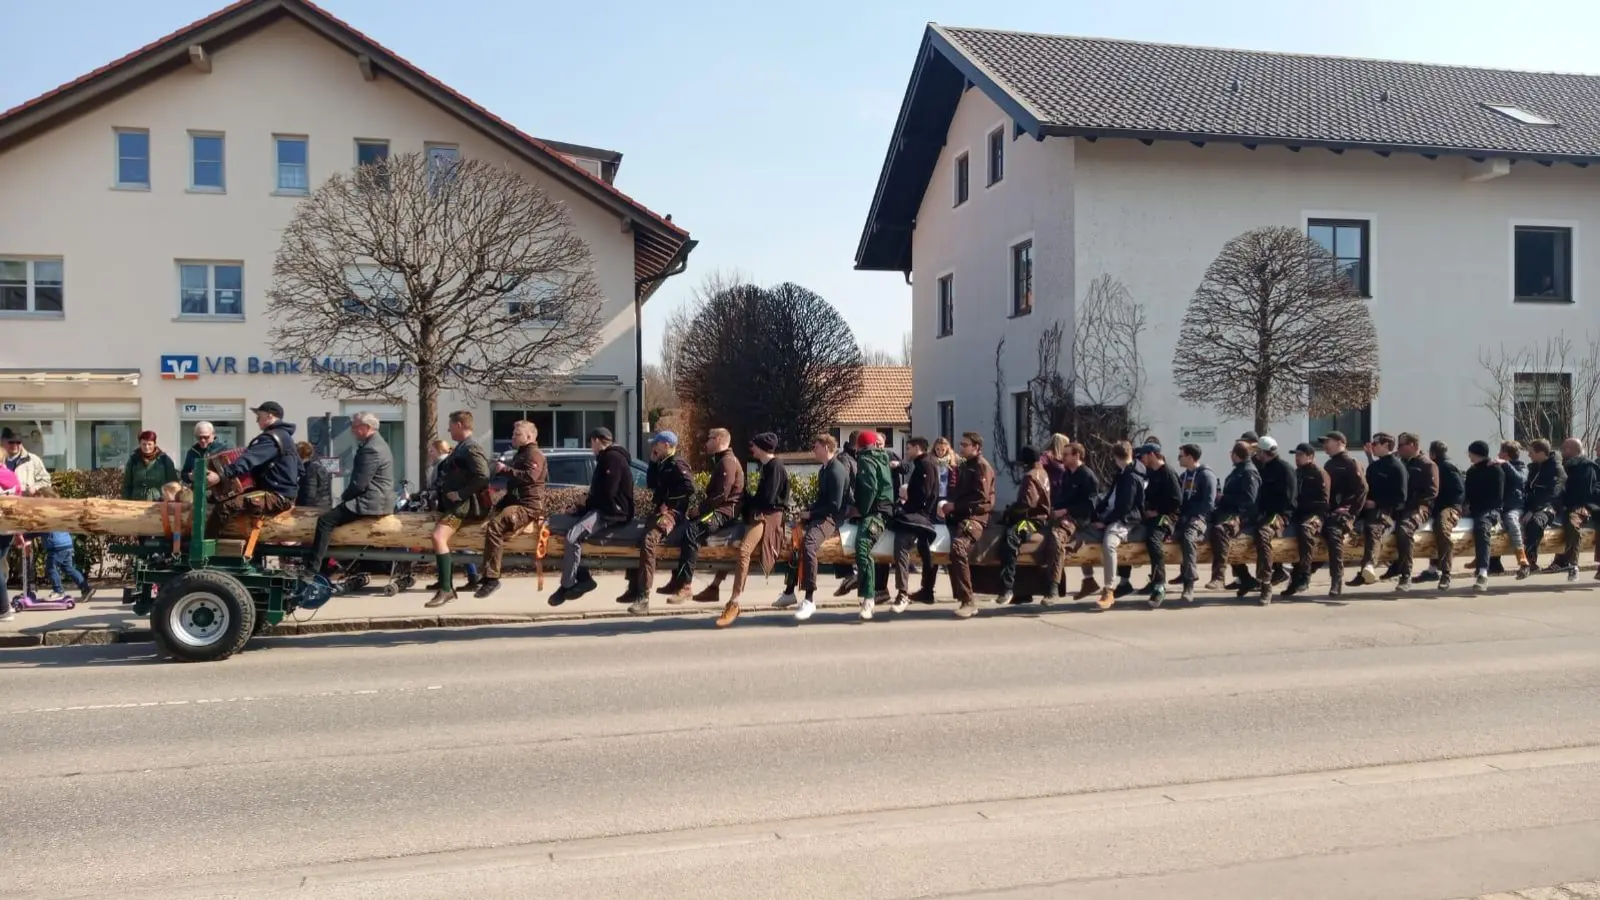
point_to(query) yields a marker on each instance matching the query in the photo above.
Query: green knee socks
(446, 575)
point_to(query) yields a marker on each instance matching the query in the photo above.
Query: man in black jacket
(1274, 506)
(1072, 513)
(671, 483)
(1422, 489)
(821, 522)
(1580, 500)
(1485, 494)
(1547, 481)
(1236, 507)
(914, 526)
(717, 511)
(762, 511)
(272, 463)
(370, 491)
(1200, 494)
(1312, 485)
(1118, 512)
(463, 496)
(1446, 513)
(1382, 493)
(1163, 502)
(609, 505)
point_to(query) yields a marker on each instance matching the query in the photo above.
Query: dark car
(569, 468)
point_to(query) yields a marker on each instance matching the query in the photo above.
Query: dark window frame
(947, 420)
(1565, 236)
(1364, 276)
(945, 306)
(1359, 431)
(1021, 278)
(963, 179)
(997, 156)
(1021, 421)
(1560, 423)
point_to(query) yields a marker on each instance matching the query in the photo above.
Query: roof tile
(885, 393)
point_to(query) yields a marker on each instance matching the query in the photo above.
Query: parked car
(569, 468)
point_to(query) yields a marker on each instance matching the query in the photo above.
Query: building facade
(1025, 167)
(141, 208)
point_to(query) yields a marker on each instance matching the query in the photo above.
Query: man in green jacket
(874, 501)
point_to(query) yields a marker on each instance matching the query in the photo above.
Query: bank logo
(8, 408)
(180, 368)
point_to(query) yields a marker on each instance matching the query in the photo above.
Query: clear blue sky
(761, 126)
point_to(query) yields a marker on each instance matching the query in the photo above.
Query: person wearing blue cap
(671, 483)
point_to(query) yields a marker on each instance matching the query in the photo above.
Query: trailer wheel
(202, 616)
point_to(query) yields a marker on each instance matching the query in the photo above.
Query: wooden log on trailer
(133, 520)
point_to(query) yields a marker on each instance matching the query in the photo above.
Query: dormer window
(1520, 114)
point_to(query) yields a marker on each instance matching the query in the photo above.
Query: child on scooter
(58, 546)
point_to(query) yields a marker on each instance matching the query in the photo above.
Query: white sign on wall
(233, 411)
(32, 409)
(1198, 434)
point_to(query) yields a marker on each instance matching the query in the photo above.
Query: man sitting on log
(1199, 486)
(873, 489)
(1310, 510)
(966, 513)
(1163, 502)
(671, 483)
(821, 522)
(913, 526)
(1486, 494)
(369, 493)
(1279, 489)
(1421, 489)
(1447, 508)
(1071, 514)
(1580, 501)
(608, 505)
(1119, 510)
(716, 512)
(1027, 515)
(463, 496)
(763, 511)
(1547, 480)
(1235, 509)
(522, 505)
(273, 465)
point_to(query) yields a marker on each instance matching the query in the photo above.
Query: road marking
(206, 701)
(1577, 890)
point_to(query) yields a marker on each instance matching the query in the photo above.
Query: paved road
(1427, 748)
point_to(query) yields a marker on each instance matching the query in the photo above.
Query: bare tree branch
(1547, 390)
(1276, 329)
(461, 277)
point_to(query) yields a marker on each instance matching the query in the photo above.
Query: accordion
(228, 487)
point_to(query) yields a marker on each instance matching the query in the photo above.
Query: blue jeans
(60, 561)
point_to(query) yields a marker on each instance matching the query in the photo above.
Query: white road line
(149, 704)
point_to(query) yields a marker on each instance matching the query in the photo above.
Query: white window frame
(1575, 260)
(211, 315)
(32, 282)
(938, 282)
(117, 183)
(957, 201)
(989, 180)
(1011, 275)
(222, 163)
(278, 190)
(1306, 215)
(427, 155)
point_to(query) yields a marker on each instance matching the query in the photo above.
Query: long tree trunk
(428, 418)
(132, 519)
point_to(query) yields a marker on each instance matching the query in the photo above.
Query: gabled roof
(885, 393)
(660, 247)
(1057, 85)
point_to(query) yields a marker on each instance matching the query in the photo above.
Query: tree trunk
(133, 519)
(428, 418)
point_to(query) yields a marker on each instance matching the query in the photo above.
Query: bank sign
(183, 367)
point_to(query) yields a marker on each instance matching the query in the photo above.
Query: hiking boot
(1390, 573)
(729, 613)
(901, 602)
(1335, 591)
(1297, 586)
(1496, 567)
(583, 585)
(673, 586)
(628, 596)
(1355, 581)
(847, 586)
(1089, 588)
(1429, 574)
(1175, 582)
(1572, 573)
(711, 593)
(88, 594)
(1215, 584)
(681, 596)
(1124, 588)
(1279, 576)
(785, 601)
(1523, 571)
(966, 610)
(1051, 595)
(1247, 586)
(556, 599)
(442, 597)
(1004, 599)
(486, 587)
(1264, 598)
(1444, 581)
(1158, 597)
(1188, 593)
(1404, 585)
(1108, 598)
(472, 584)
(924, 596)
(640, 606)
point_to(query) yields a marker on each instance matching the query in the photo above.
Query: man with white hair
(369, 493)
(205, 444)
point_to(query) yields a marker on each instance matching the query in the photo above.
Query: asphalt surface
(1429, 748)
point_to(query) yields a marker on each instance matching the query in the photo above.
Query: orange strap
(539, 552)
(255, 532)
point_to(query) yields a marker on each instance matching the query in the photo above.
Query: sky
(762, 127)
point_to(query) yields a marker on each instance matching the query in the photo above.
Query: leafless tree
(1547, 390)
(905, 348)
(777, 359)
(1276, 329)
(659, 401)
(410, 274)
(1096, 397)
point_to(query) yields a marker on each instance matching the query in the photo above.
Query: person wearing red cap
(148, 470)
(874, 501)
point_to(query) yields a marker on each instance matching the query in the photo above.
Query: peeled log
(132, 520)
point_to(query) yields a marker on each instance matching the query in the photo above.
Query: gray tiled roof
(1091, 84)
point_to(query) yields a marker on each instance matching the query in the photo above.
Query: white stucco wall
(972, 242)
(1441, 261)
(120, 247)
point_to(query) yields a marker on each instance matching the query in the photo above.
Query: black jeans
(1010, 548)
(326, 523)
(694, 536)
(1156, 532)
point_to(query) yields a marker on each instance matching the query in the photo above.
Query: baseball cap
(1335, 436)
(10, 437)
(1149, 447)
(271, 407)
(1249, 437)
(602, 434)
(865, 439)
(1306, 448)
(670, 438)
(1267, 444)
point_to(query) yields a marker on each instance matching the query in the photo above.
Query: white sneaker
(866, 609)
(784, 602)
(900, 604)
(805, 610)
(1368, 575)
(1482, 582)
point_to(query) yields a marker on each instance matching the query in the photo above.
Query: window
(207, 171)
(31, 285)
(1022, 278)
(947, 306)
(962, 179)
(947, 419)
(1542, 406)
(133, 158)
(293, 177)
(1543, 265)
(1520, 114)
(1022, 419)
(535, 300)
(442, 160)
(1356, 424)
(211, 289)
(1346, 241)
(997, 155)
(374, 153)
(559, 427)
(373, 290)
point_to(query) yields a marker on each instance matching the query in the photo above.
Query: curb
(106, 635)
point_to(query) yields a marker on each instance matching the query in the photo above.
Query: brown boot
(681, 596)
(1108, 598)
(711, 593)
(729, 613)
(673, 586)
(1088, 589)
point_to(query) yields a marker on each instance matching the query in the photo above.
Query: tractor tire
(202, 616)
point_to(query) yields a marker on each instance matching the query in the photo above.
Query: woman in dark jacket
(316, 485)
(148, 470)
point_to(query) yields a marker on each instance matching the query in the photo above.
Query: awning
(69, 376)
